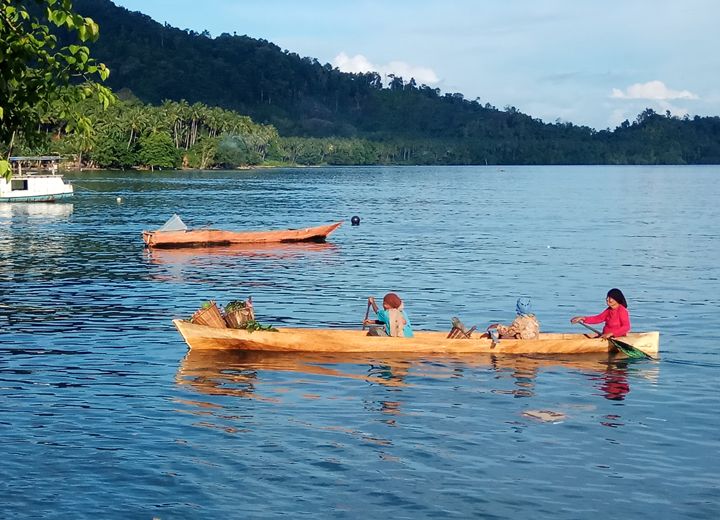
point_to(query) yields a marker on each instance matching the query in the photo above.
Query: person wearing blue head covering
(523, 307)
(524, 326)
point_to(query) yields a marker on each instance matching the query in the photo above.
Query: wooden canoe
(343, 340)
(209, 237)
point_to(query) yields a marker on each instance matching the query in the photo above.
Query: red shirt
(617, 320)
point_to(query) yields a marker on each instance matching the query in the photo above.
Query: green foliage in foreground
(34, 69)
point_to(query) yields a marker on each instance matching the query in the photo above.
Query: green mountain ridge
(301, 97)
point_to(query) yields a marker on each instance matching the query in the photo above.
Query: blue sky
(590, 62)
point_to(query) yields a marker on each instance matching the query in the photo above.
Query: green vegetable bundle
(252, 326)
(235, 305)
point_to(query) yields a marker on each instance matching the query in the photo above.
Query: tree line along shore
(131, 134)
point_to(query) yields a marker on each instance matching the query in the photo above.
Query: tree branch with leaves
(35, 72)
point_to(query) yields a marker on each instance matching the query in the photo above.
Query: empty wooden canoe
(344, 340)
(209, 237)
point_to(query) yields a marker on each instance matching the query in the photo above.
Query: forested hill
(302, 97)
(297, 94)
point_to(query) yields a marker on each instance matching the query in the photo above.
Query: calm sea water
(104, 414)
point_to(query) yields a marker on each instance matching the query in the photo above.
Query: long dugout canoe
(208, 237)
(343, 340)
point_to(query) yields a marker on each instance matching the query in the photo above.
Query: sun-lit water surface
(104, 413)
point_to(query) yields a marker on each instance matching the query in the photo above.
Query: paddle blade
(628, 349)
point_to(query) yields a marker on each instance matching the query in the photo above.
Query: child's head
(616, 295)
(523, 306)
(391, 301)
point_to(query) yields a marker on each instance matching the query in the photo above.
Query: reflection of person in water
(394, 374)
(523, 370)
(525, 381)
(614, 382)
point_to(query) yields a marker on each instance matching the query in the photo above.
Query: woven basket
(210, 316)
(239, 318)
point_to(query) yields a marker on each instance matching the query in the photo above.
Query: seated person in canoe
(524, 326)
(615, 316)
(392, 316)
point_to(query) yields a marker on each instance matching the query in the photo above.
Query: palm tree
(135, 120)
(171, 111)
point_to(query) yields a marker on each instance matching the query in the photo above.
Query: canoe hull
(209, 237)
(200, 337)
(37, 198)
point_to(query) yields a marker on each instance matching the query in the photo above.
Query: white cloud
(354, 64)
(360, 63)
(651, 90)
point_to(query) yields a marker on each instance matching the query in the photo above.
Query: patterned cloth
(527, 326)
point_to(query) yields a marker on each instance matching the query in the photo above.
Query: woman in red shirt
(615, 317)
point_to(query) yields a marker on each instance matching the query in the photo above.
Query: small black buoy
(355, 221)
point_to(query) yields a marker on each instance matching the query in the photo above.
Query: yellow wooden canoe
(344, 340)
(207, 237)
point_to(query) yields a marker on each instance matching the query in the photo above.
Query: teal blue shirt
(383, 316)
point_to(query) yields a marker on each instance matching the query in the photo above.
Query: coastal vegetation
(130, 134)
(186, 99)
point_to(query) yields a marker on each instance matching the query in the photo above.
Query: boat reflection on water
(44, 210)
(275, 251)
(188, 263)
(610, 375)
(236, 372)
(30, 230)
(614, 382)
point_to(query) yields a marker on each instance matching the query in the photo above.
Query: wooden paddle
(367, 314)
(625, 348)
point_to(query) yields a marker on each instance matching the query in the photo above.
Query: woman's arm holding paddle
(373, 304)
(599, 318)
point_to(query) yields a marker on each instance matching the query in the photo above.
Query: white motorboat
(34, 179)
